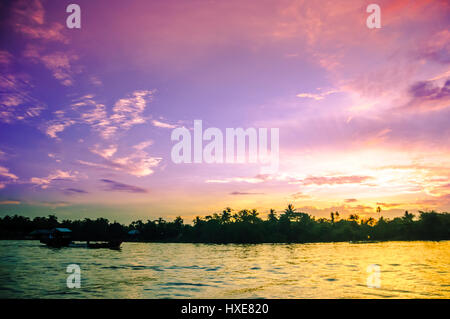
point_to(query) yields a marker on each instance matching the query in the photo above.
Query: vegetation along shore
(244, 226)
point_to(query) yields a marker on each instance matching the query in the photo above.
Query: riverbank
(244, 226)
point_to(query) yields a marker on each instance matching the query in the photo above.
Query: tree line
(244, 226)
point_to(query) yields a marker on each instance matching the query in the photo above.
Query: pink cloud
(29, 19)
(4, 172)
(44, 182)
(335, 180)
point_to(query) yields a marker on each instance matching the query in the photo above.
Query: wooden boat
(61, 237)
(57, 237)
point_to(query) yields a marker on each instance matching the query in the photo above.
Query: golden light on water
(150, 270)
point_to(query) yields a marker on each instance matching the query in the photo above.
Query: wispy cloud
(317, 96)
(251, 180)
(72, 191)
(389, 205)
(429, 96)
(106, 153)
(245, 193)
(56, 127)
(162, 124)
(4, 171)
(137, 162)
(114, 186)
(9, 202)
(29, 20)
(126, 113)
(143, 145)
(334, 180)
(299, 195)
(16, 101)
(5, 58)
(44, 182)
(59, 63)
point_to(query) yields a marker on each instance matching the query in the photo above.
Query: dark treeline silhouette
(244, 226)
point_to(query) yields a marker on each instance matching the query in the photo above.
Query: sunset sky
(86, 114)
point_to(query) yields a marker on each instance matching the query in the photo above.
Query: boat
(57, 237)
(61, 237)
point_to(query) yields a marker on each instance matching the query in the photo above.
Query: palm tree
(197, 220)
(272, 215)
(290, 211)
(408, 217)
(254, 216)
(226, 215)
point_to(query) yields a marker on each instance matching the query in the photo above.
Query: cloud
(245, 193)
(71, 191)
(162, 124)
(334, 180)
(435, 201)
(251, 180)
(299, 195)
(389, 205)
(351, 200)
(16, 103)
(9, 202)
(143, 145)
(437, 48)
(317, 96)
(126, 113)
(4, 171)
(59, 63)
(97, 118)
(427, 90)
(29, 19)
(120, 187)
(95, 80)
(44, 182)
(428, 96)
(49, 204)
(138, 162)
(106, 153)
(5, 57)
(57, 127)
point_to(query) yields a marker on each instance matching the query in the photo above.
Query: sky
(86, 115)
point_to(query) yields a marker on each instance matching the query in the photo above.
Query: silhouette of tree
(272, 217)
(245, 226)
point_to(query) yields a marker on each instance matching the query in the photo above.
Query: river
(417, 269)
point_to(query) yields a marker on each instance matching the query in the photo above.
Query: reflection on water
(151, 270)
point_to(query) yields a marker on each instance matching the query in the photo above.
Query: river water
(29, 269)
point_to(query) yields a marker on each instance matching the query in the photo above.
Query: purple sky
(86, 114)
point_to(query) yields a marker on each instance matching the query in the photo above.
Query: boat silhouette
(61, 237)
